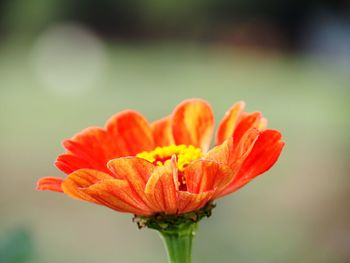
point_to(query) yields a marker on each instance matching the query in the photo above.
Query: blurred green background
(67, 65)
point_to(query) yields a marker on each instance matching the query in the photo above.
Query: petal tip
(49, 184)
(193, 123)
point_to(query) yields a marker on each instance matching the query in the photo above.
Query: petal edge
(193, 123)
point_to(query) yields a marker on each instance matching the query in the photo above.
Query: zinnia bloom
(165, 167)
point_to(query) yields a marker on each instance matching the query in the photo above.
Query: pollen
(185, 155)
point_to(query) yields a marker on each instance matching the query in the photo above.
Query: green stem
(179, 242)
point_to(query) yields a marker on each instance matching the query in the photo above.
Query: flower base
(177, 231)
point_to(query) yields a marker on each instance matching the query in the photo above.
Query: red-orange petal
(132, 133)
(193, 123)
(91, 148)
(234, 154)
(262, 157)
(188, 202)
(50, 183)
(126, 133)
(80, 179)
(241, 150)
(136, 171)
(220, 153)
(117, 195)
(162, 132)
(203, 176)
(88, 143)
(229, 122)
(161, 189)
(69, 163)
(246, 122)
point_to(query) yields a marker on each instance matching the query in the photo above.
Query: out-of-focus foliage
(16, 246)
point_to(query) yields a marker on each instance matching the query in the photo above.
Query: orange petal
(203, 176)
(126, 133)
(246, 122)
(134, 170)
(229, 122)
(241, 150)
(220, 153)
(193, 123)
(81, 179)
(132, 133)
(91, 148)
(117, 195)
(234, 154)
(50, 183)
(264, 154)
(162, 132)
(188, 202)
(69, 163)
(161, 189)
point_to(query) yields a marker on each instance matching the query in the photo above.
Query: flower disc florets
(161, 155)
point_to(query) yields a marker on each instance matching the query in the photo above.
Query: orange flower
(136, 167)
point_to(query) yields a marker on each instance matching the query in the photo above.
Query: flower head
(165, 167)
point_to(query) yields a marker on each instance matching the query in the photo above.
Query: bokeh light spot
(69, 59)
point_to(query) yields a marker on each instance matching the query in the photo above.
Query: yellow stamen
(185, 154)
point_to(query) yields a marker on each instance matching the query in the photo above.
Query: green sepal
(164, 222)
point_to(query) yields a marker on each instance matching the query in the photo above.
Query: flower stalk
(177, 231)
(179, 243)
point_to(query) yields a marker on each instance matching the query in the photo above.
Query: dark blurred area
(273, 24)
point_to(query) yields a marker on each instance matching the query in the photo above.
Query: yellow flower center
(185, 154)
